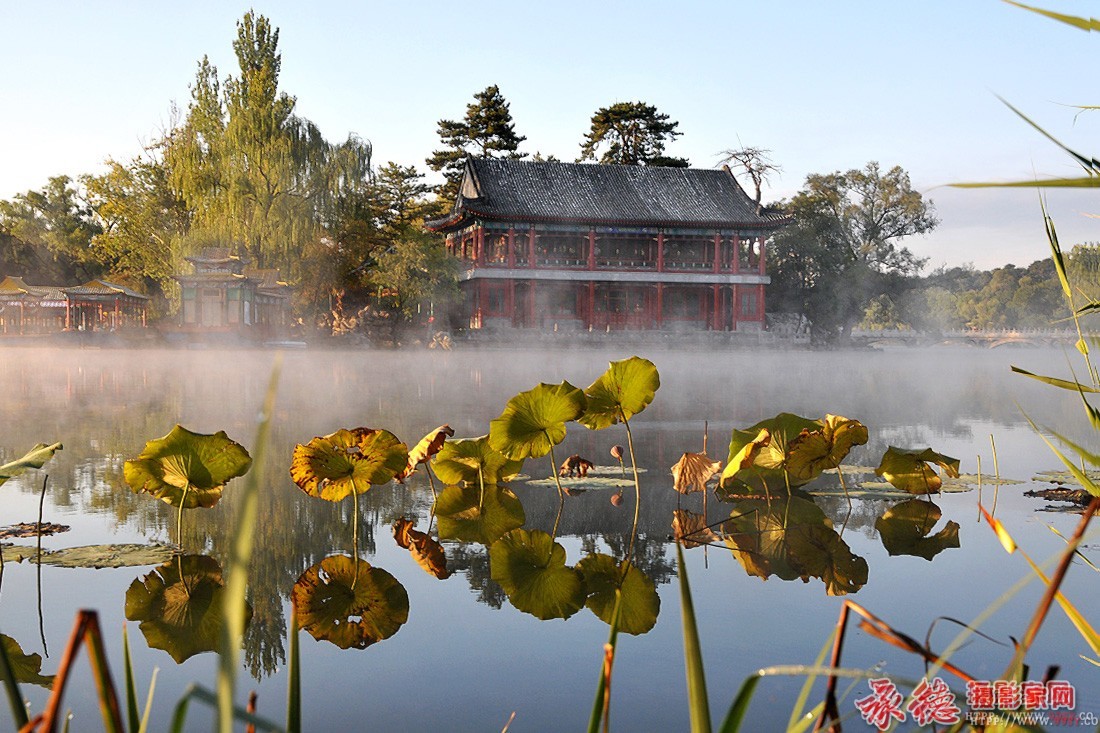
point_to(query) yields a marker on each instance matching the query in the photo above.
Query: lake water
(466, 658)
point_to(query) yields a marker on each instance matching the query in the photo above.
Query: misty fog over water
(466, 658)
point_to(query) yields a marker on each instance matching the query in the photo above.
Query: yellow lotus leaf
(746, 454)
(428, 446)
(692, 472)
(334, 466)
(815, 451)
(908, 470)
(427, 552)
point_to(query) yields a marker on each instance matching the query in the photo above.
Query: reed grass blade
(294, 678)
(698, 703)
(131, 694)
(11, 687)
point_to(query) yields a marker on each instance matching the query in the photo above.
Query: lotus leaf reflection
(427, 552)
(640, 605)
(27, 668)
(179, 606)
(905, 529)
(793, 539)
(345, 601)
(531, 568)
(465, 515)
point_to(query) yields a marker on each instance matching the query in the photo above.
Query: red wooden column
(511, 251)
(735, 295)
(736, 252)
(660, 256)
(660, 300)
(479, 245)
(531, 247)
(714, 313)
(530, 305)
(590, 311)
(591, 249)
(761, 255)
(760, 303)
(510, 300)
(717, 251)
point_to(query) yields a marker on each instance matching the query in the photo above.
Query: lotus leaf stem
(38, 532)
(355, 533)
(554, 471)
(179, 516)
(637, 485)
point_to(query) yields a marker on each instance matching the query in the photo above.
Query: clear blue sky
(825, 85)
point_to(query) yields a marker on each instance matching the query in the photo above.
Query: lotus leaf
(347, 461)
(531, 569)
(815, 451)
(345, 601)
(186, 468)
(179, 606)
(27, 668)
(427, 552)
(467, 516)
(908, 470)
(460, 461)
(692, 471)
(620, 393)
(36, 457)
(758, 454)
(533, 422)
(428, 446)
(905, 530)
(691, 529)
(818, 551)
(640, 605)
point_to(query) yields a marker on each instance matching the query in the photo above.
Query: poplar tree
(257, 176)
(487, 131)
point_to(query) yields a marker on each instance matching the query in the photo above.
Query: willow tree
(256, 175)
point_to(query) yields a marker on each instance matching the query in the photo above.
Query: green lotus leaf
(27, 668)
(905, 529)
(179, 606)
(464, 514)
(334, 466)
(187, 467)
(461, 460)
(534, 421)
(908, 470)
(621, 392)
(819, 552)
(347, 602)
(758, 454)
(640, 606)
(815, 451)
(530, 567)
(36, 457)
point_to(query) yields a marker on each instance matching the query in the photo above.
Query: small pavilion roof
(613, 195)
(103, 288)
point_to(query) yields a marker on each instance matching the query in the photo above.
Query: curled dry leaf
(423, 451)
(427, 552)
(692, 471)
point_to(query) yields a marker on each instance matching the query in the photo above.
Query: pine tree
(487, 131)
(631, 133)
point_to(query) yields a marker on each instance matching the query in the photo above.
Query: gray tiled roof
(605, 194)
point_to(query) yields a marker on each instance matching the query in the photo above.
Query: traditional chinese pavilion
(223, 295)
(30, 309)
(608, 247)
(100, 305)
